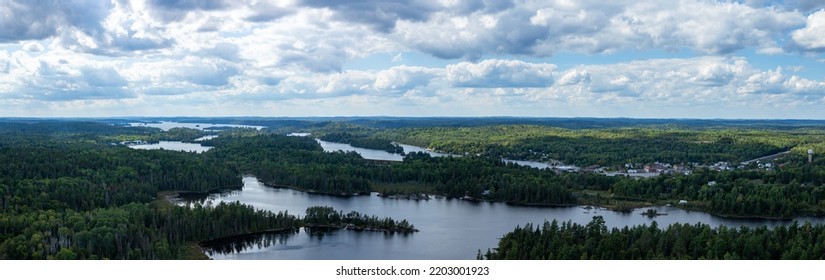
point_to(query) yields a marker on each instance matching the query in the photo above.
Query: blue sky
(642, 59)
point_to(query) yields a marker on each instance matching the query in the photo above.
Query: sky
(626, 58)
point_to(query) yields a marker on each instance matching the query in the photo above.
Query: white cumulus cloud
(497, 73)
(812, 37)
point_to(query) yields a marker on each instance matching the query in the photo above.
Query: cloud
(201, 55)
(544, 28)
(774, 82)
(223, 50)
(310, 40)
(183, 76)
(687, 82)
(54, 84)
(714, 74)
(33, 47)
(811, 37)
(403, 78)
(174, 10)
(381, 15)
(100, 27)
(804, 6)
(264, 12)
(5, 62)
(35, 20)
(572, 77)
(49, 76)
(495, 73)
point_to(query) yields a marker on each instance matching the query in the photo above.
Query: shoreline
(206, 243)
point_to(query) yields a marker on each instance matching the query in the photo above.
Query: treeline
(327, 217)
(294, 162)
(794, 190)
(300, 163)
(488, 179)
(608, 147)
(363, 142)
(569, 241)
(51, 133)
(84, 177)
(65, 194)
(131, 231)
(177, 134)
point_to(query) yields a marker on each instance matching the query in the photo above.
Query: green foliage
(792, 191)
(363, 142)
(177, 134)
(610, 147)
(295, 162)
(64, 195)
(131, 231)
(569, 241)
(325, 216)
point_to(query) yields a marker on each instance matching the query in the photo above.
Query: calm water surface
(450, 228)
(165, 126)
(375, 154)
(173, 146)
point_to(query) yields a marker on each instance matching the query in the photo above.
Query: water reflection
(246, 242)
(173, 146)
(450, 228)
(166, 126)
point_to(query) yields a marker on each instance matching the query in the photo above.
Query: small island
(652, 213)
(401, 195)
(325, 217)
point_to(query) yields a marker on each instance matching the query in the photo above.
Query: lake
(166, 126)
(450, 228)
(373, 154)
(173, 146)
(204, 138)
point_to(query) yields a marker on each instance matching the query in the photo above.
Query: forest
(611, 147)
(298, 162)
(327, 217)
(594, 241)
(69, 190)
(363, 142)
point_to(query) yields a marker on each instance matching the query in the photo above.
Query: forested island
(70, 190)
(327, 218)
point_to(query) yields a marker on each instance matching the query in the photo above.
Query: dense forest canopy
(594, 241)
(613, 146)
(69, 186)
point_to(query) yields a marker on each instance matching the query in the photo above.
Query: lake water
(365, 153)
(204, 138)
(534, 164)
(165, 126)
(383, 155)
(450, 228)
(178, 145)
(375, 154)
(173, 146)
